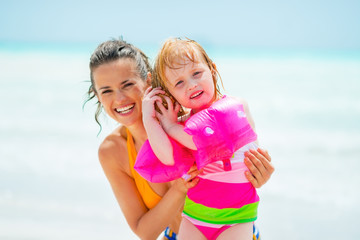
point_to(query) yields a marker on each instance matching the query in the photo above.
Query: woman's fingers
(193, 172)
(192, 183)
(193, 168)
(266, 160)
(265, 166)
(251, 179)
(255, 157)
(258, 175)
(259, 165)
(190, 178)
(265, 154)
(253, 175)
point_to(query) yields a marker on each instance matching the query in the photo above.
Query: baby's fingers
(147, 90)
(169, 102)
(160, 106)
(177, 107)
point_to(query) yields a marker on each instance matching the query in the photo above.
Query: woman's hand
(260, 166)
(167, 117)
(148, 102)
(188, 181)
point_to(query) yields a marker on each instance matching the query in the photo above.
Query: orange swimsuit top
(149, 197)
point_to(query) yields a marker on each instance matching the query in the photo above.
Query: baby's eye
(178, 83)
(196, 73)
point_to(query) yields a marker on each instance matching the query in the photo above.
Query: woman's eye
(106, 91)
(128, 85)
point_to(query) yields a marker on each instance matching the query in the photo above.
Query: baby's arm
(157, 137)
(169, 122)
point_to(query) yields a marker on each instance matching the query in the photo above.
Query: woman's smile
(126, 109)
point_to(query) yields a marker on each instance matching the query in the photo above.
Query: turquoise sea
(306, 106)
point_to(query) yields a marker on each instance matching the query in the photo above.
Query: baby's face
(191, 84)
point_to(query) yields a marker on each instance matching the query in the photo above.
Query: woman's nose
(119, 96)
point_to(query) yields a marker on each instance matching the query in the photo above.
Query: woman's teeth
(125, 109)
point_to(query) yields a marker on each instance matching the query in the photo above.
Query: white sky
(280, 23)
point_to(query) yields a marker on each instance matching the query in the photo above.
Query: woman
(120, 74)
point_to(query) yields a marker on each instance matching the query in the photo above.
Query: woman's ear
(148, 79)
(96, 95)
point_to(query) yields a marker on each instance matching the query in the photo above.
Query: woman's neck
(138, 133)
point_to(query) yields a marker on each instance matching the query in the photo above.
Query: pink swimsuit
(223, 197)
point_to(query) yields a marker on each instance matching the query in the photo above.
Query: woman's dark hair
(110, 51)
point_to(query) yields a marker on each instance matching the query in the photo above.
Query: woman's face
(120, 89)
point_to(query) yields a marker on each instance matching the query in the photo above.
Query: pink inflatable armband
(153, 170)
(219, 131)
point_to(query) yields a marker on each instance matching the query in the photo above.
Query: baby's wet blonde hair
(176, 52)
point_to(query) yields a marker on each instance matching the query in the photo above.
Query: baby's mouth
(196, 94)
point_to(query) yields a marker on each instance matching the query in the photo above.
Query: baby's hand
(148, 101)
(167, 117)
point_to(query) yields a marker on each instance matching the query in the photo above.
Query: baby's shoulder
(242, 102)
(238, 99)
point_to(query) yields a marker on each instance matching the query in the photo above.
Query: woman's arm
(258, 161)
(145, 223)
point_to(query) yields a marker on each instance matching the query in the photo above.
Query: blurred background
(296, 62)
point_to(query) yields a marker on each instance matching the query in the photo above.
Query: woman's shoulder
(112, 147)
